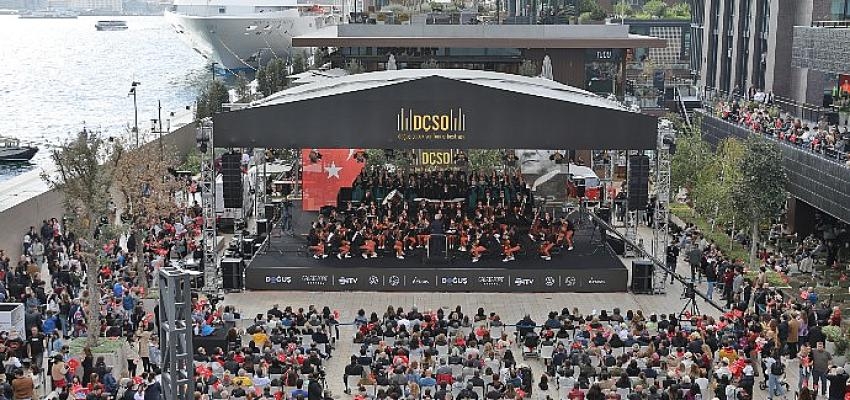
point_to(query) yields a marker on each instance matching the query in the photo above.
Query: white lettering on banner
(595, 281)
(419, 281)
(491, 280)
(550, 281)
(523, 281)
(278, 279)
(569, 280)
(318, 280)
(346, 281)
(394, 280)
(454, 280)
(374, 280)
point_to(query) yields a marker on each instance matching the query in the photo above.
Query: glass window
(840, 9)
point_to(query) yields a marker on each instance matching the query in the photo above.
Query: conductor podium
(438, 250)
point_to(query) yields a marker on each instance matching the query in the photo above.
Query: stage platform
(285, 264)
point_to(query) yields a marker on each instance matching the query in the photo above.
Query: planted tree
(243, 89)
(210, 100)
(528, 68)
(354, 67)
(85, 171)
(655, 8)
(761, 194)
(692, 155)
(272, 77)
(717, 181)
(148, 188)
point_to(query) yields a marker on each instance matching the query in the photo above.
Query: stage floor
(285, 264)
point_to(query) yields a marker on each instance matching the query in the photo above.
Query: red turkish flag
(322, 180)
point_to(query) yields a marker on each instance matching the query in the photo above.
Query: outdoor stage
(285, 264)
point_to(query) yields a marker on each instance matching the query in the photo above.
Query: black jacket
(314, 390)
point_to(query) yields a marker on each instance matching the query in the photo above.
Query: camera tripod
(691, 306)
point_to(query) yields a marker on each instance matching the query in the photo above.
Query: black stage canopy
(432, 108)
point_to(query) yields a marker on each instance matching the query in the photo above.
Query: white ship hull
(238, 42)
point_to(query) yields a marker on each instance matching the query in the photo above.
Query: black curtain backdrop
(438, 113)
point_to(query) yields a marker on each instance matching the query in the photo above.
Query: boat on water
(243, 34)
(12, 151)
(111, 25)
(49, 14)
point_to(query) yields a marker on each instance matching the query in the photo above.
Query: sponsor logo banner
(440, 280)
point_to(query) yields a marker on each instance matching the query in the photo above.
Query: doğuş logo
(278, 279)
(454, 280)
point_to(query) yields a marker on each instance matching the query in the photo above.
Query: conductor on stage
(437, 227)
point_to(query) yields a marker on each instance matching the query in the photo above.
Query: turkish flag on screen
(321, 180)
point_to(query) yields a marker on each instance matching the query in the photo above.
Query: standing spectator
(35, 347)
(837, 378)
(711, 279)
(23, 387)
(695, 260)
(672, 260)
(820, 364)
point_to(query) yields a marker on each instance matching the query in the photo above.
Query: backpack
(777, 368)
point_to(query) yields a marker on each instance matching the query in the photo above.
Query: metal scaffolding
(260, 183)
(632, 218)
(204, 139)
(661, 217)
(175, 329)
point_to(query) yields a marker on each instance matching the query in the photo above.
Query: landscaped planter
(112, 350)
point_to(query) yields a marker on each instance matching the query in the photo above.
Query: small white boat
(111, 25)
(12, 151)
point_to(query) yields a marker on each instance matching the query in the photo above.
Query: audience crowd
(821, 137)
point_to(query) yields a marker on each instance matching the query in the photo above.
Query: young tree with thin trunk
(147, 186)
(84, 174)
(761, 194)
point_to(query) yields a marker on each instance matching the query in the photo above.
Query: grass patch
(731, 249)
(105, 345)
(774, 279)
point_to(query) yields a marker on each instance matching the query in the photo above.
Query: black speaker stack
(642, 276)
(231, 180)
(231, 273)
(638, 182)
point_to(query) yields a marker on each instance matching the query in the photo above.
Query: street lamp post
(213, 70)
(135, 110)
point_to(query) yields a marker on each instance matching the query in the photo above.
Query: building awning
(479, 36)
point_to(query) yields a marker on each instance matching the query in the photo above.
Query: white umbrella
(391, 63)
(547, 68)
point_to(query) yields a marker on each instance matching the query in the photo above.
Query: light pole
(135, 110)
(213, 70)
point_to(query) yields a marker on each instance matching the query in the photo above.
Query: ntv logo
(346, 281)
(524, 281)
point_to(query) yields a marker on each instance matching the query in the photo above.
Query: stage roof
(479, 36)
(438, 109)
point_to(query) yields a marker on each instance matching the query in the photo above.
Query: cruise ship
(243, 34)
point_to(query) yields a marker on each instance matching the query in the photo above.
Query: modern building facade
(738, 44)
(590, 57)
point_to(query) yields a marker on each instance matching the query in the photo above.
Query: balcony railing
(819, 180)
(804, 111)
(831, 24)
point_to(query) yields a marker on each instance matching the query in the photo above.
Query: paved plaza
(511, 308)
